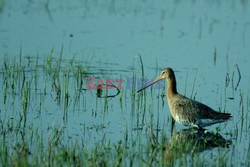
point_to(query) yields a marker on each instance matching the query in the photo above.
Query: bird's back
(190, 112)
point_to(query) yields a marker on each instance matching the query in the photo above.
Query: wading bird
(187, 111)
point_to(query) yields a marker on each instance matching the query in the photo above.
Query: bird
(184, 110)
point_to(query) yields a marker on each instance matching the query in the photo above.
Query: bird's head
(167, 73)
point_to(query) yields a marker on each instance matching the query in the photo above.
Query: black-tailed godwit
(187, 111)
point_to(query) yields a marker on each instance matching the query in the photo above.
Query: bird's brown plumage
(187, 111)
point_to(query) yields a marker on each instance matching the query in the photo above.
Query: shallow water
(205, 42)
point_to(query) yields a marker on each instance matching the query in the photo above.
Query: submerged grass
(29, 137)
(1, 6)
(25, 101)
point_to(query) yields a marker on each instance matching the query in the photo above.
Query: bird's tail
(223, 116)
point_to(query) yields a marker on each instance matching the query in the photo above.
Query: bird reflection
(189, 141)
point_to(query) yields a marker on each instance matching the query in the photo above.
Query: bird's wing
(193, 110)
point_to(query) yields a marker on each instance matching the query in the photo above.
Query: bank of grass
(21, 144)
(32, 150)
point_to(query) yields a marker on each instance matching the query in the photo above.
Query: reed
(35, 92)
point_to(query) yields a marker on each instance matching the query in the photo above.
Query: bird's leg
(172, 125)
(201, 128)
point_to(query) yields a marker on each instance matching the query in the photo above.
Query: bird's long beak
(152, 83)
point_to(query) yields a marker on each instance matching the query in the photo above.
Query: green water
(49, 116)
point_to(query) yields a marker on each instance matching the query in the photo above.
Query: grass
(1, 6)
(25, 101)
(39, 127)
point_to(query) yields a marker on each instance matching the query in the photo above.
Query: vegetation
(49, 118)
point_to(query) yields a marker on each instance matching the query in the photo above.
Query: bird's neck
(172, 90)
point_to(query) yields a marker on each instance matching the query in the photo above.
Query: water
(205, 42)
